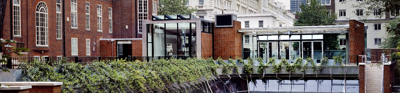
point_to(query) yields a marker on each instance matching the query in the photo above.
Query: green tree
(175, 7)
(314, 14)
(393, 28)
(6, 43)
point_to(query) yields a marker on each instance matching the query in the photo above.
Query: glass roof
(172, 17)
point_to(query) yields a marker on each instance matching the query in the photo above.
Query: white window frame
(342, 12)
(377, 26)
(142, 14)
(99, 18)
(110, 21)
(74, 46)
(59, 58)
(87, 47)
(246, 24)
(376, 43)
(59, 21)
(260, 23)
(16, 18)
(377, 12)
(87, 12)
(201, 2)
(325, 3)
(37, 58)
(358, 11)
(74, 14)
(44, 25)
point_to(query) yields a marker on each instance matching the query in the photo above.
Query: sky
(286, 3)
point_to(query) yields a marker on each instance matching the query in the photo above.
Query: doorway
(124, 50)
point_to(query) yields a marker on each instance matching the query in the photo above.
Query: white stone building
(207, 9)
(376, 31)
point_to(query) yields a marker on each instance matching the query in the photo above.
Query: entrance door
(124, 50)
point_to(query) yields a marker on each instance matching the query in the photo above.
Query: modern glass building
(295, 5)
(313, 42)
(174, 36)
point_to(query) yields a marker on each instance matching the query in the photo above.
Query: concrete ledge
(32, 83)
(388, 63)
(362, 64)
(16, 88)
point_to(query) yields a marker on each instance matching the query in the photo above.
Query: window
(377, 26)
(201, 2)
(359, 0)
(87, 16)
(228, 5)
(342, 41)
(58, 19)
(328, 13)
(41, 25)
(154, 8)
(342, 13)
(202, 17)
(74, 46)
(359, 12)
(99, 19)
(142, 13)
(74, 15)
(88, 47)
(246, 39)
(325, 2)
(17, 18)
(377, 12)
(261, 23)
(378, 41)
(246, 24)
(110, 28)
(36, 58)
(59, 58)
(342, 0)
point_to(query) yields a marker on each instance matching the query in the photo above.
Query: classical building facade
(72, 27)
(207, 9)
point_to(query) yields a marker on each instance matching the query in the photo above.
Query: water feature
(289, 86)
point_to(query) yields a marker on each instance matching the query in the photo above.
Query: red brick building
(72, 27)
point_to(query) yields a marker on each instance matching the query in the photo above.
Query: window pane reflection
(307, 50)
(273, 49)
(317, 51)
(184, 34)
(284, 50)
(172, 39)
(294, 51)
(159, 39)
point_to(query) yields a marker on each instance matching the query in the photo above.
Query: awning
(297, 30)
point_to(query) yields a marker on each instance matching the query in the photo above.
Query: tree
(394, 34)
(314, 14)
(174, 7)
(15, 50)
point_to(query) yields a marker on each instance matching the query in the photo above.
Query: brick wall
(16, 91)
(388, 72)
(361, 76)
(124, 13)
(356, 40)
(108, 48)
(137, 48)
(206, 45)
(45, 89)
(227, 41)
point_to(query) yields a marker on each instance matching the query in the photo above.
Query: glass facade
(171, 40)
(291, 47)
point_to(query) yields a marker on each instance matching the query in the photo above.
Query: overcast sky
(286, 3)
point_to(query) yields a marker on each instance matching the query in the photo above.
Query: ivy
(338, 60)
(120, 75)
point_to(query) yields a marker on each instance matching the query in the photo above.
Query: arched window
(41, 25)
